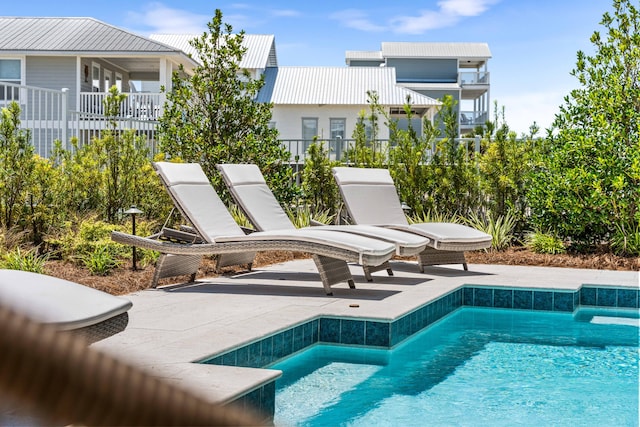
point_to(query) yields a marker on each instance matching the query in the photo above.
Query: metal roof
(34, 35)
(260, 54)
(435, 50)
(370, 55)
(336, 86)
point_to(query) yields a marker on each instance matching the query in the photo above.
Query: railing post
(65, 117)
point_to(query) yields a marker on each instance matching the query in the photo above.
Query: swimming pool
(477, 366)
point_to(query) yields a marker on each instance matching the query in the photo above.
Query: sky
(533, 43)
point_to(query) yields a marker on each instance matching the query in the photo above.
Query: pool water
(475, 367)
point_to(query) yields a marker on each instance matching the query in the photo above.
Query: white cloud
(158, 18)
(464, 7)
(356, 19)
(449, 13)
(286, 13)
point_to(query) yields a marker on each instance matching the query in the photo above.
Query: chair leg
(368, 269)
(332, 271)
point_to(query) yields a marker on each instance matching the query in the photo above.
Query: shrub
(303, 216)
(544, 243)
(626, 240)
(318, 185)
(23, 260)
(101, 261)
(500, 228)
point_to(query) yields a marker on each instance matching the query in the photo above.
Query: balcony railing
(474, 78)
(473, 118)
(138, 105)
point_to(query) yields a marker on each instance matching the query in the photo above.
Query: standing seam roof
(72, 35)
(336, 86)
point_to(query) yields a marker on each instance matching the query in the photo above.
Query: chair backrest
(370, 196)
(250, 191)
(197, 200)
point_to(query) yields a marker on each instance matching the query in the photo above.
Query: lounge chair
(249, 189)
(215, 232)
(370, 198)
(67, 306)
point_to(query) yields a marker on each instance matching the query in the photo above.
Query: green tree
(318, 185)
(587, 186)
(17, 162)
(213, 117)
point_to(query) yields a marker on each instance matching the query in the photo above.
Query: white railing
(43, 112)
(46, 115)
(87, 126)
(339, 149)
(139, 105)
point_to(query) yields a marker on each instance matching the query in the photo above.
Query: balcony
(473, 78)
(137, 105)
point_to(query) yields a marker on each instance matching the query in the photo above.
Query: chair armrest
(178, 236)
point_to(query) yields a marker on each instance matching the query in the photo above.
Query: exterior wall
(356, 63)
(87, 86)
(439, 94)
(53, 72)
(288, 119)
(425, 70)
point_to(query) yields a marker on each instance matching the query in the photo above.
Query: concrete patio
(173, 326)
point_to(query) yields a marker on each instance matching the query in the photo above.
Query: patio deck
(173, 326)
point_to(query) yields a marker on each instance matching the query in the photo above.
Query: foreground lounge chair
(65, 305)
(217, 233)
(249, 189)
(371, 198)
(53, 379)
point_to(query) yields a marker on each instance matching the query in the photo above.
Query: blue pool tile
(467, 296)
(503, 298)
(377, 334)
(588, 296)
(298, 338)
(229, 359)
(254, 355)
(628, 298)
(330, 330)
(242, 356)
(576, 299)
(483, 297)
(352, 332)
(282, 344)
(563, 301)
(523, 299)
(606, 297)
(268, 403)
(543, 300)
(266, 352)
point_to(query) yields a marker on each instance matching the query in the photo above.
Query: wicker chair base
(102, 330)
(170, 265)
(368, 269)
(432, 256)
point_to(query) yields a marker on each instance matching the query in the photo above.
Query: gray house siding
(425, 70)
(53, 72)
(354, 63)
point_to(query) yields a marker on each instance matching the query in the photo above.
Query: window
(10, 72)
(338, 128)
(309, 131)
(107, 80)
(95, 77)
(119, 82)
